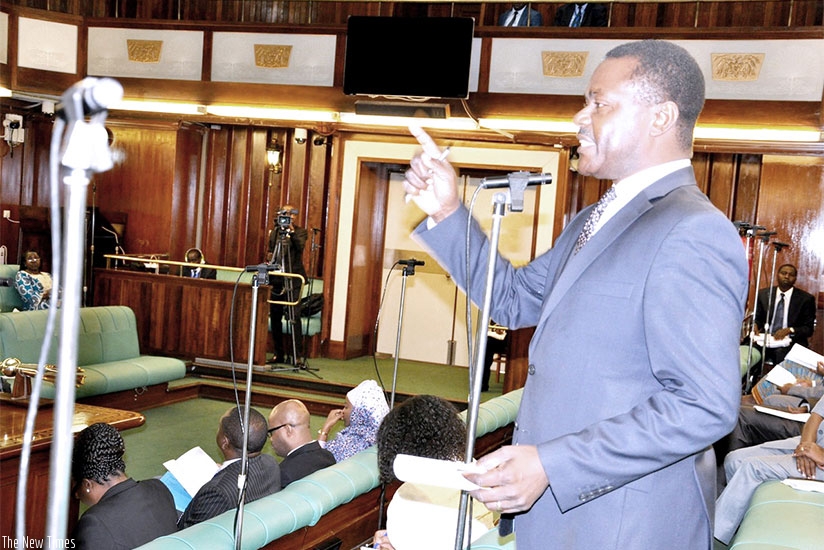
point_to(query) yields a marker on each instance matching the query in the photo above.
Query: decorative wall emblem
(272, 56)
(144, 51)
(737, 67)
(564, 64)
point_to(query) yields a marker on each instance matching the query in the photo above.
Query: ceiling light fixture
(168, 107)
(303, 115)
(458, 123)
(801, 135)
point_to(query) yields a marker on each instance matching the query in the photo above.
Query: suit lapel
(614, 228)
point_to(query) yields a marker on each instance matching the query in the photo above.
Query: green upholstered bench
(9, 298)
(107, 350)
(304, 502)
(780, 517)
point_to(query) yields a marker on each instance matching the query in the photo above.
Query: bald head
(291, 418)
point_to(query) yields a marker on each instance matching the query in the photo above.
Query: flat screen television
(424, 57)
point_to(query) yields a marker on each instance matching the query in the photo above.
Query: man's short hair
(233, 430)
(667, 72)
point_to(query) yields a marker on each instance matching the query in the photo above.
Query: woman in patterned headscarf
(365, 408)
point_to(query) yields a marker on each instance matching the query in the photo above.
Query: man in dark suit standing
(292, 439)
(621, 405)
(286, 243)
(195, 256)
(520, 15)
(787, 311)
(581, 15)
(221, 492)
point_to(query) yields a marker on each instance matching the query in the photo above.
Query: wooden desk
(12, 425)
(184, 317)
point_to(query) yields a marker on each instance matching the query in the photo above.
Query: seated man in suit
(519, 15)
(220, 493)
(581, 15)
(195, 256)
(746, 469)
(292, 439)
(755, 427)
(787, 312)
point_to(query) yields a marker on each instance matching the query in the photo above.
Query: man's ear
(666, 118)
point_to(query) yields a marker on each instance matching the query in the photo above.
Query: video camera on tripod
(284, 220)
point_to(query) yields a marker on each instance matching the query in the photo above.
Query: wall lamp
(274, 152)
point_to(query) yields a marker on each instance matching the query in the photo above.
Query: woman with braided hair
(123, 513)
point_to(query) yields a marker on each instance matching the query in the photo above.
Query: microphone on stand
(501, 182)
(517, 183)
(89, 97)
(410, 264)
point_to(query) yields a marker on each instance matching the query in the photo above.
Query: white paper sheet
(779, 376)
(805, 484)
(804, 357)
(798, 417)
(193, 469)
(430, 471)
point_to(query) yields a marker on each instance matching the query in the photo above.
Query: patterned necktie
(594, 216)
(778, 319)
(578, 16)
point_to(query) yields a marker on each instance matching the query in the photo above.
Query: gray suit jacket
(633, 367)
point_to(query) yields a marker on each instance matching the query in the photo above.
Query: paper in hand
(431, 471)
(780, 376)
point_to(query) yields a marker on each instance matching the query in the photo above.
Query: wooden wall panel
(723, 172)
(745, 204)
(623, 14)
(188, 318)
(142, 186)
(367, 246)
(790, 202)
(185, 191)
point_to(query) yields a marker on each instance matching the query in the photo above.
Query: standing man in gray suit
(634, 364)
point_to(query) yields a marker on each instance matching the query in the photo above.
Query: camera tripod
(286, 300)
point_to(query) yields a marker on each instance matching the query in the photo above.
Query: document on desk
(780, 376)
(798, 417)
(431, 471)
(803, 356)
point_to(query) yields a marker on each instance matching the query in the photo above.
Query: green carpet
(414, 377)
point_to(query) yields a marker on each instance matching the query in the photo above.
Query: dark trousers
(283, 341)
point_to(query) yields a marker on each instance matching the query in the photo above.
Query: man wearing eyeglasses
(291, 439)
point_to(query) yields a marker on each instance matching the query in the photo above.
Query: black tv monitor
(424, 57)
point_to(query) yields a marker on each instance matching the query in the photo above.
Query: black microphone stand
(408, 270)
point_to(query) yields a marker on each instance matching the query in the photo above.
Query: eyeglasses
(270, 431)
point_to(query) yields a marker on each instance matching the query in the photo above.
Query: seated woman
(123, 513)
(33, 285)
(424, 516)
(365, 408)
